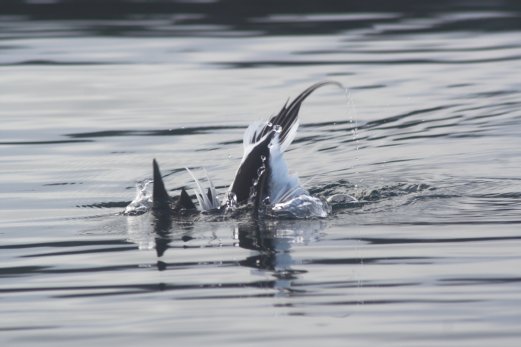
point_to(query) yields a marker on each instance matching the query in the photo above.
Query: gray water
(427, 139)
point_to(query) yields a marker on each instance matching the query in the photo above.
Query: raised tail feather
(287, 118)
(257, 138)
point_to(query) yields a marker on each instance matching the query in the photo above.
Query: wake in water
(262, 182)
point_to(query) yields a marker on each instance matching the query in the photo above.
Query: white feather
(290, 136)
(282, 185)
(251, 133)
(202, 198)
(249, 138)
(287, 196)
(215, 199)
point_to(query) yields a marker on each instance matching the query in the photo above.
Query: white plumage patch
(286, 195)
(206, 203)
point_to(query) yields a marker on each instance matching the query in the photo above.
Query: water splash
(231, 202)
(143, 201)
(303, 206)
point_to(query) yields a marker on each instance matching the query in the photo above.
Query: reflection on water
(270, 239)
(272, 242)
(428, 144)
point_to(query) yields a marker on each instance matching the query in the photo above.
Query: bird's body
(262, 179)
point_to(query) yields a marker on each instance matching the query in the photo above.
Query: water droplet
(277, 128)
(231, 202)
(269, 124)
(263, 158)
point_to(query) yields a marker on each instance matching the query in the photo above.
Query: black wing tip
(160, 197)
(155, 167)
(185, 202)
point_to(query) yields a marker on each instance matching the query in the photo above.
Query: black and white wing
(257, 138)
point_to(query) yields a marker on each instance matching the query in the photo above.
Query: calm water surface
(428, 139)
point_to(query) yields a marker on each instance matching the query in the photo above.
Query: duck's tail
(258, 137)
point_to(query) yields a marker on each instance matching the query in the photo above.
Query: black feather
(248, 171)
(160, 197)
(184, 202)
(288, 115)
